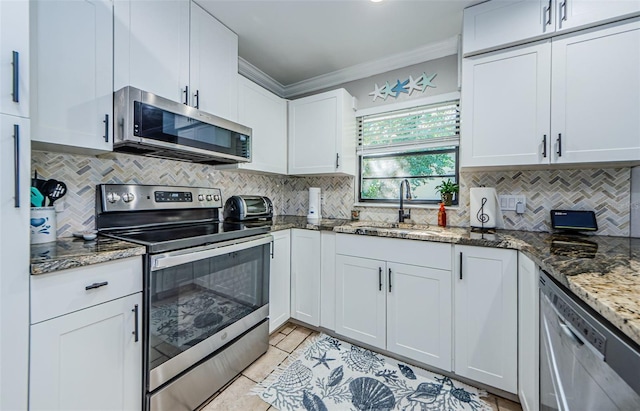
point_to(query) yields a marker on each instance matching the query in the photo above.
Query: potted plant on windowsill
(447, 189)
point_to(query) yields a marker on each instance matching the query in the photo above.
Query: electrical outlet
(509, 202)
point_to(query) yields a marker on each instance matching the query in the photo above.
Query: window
(419, 144)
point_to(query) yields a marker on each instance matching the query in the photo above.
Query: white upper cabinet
(595, 96)
(266, 114)
(571, 99)
(506, 99)
(322, 134)
(72, 75)
(574, 14)
(213, 65)
(177, 50)
(14, 58)
(501, 23)
(151, 47)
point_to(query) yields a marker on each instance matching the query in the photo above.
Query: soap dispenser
(442, 216)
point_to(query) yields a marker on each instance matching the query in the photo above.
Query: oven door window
(191, 302)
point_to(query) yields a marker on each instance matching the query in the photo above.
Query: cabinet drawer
(65, 291)
(413, 252)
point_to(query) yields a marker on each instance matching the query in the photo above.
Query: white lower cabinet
(90, 357)
(486, 316)
(280, 280)
(528, 342)
(305, 276)
(404, 308)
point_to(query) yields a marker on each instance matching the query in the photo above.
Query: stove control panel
(135, 197)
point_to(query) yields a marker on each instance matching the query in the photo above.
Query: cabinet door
(213, 65)
(596, 95)
(328, 280)
(505, 107)
(322, 134)
(499, 23)
(72, 79)
(14, 261)
(280, 280)
(573, 14)
(88, 360)
(528, 362)
(266, 114)
(486, 316)
(14, 58)
(419, 313)
(361, 299)
(151, 40)
(305, 276)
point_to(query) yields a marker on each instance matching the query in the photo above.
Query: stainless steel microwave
(154, 126)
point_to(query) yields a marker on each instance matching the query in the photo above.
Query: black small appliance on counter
(246, 208)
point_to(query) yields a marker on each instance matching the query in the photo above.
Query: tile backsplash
(607, 191)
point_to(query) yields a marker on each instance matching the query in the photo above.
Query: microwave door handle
(163, 261)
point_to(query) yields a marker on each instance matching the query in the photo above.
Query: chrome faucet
(401, 214)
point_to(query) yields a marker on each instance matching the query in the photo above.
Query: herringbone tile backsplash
(607, 191)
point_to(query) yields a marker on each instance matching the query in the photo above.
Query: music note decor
(485, 212)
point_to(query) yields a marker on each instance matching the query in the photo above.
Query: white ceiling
(295, 41)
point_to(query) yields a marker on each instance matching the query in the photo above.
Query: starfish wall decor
(408, 86)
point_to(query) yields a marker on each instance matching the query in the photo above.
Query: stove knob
(128, 197)
(200, 197)
(112, 197)
(209, 198)
(216, 197)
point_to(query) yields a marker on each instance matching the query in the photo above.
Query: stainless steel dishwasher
(585, 364)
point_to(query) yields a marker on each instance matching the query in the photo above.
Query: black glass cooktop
(162, 239)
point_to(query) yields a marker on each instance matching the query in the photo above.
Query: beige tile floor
(235, 396)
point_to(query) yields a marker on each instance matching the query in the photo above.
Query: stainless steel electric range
(206, 288)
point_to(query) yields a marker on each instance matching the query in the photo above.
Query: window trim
(413, 103)
(366, 202)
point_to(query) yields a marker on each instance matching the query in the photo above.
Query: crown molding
(359, 71)
(256, 75)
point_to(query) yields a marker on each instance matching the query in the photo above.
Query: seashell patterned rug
(332, 375)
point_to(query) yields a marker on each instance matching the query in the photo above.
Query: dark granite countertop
(602, 271)
(75, 252)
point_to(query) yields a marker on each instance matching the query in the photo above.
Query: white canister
(43, 225)
(315, 206)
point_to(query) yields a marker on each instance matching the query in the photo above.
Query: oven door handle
(168, 260)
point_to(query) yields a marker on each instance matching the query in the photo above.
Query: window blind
(416, 128)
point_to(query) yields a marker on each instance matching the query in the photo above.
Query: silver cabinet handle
(559, 140)
(106, 127)
(136, 326)
(563, 10)
(337, 161)
(379, 278)
(96, 285)
(389, 279)
(16, 76)
(16, 165)
(547, 10)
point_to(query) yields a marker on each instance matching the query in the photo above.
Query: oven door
(200, 299)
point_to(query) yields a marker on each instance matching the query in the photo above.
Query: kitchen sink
(363, 226)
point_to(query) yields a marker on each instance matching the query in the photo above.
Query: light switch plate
(509, 202)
